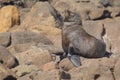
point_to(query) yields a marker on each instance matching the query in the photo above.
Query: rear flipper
(75, 59)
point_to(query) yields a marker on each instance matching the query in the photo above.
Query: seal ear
(75, 59)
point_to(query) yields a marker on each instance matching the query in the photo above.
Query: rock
(108, 63)
(48, 75)
(28, 37)
(102, 3)
(18, 48)
(24, 40)
(34, 56)
(63, 5)
(28, 76)
(5, 39)
(56, 39)
(22, 70)
(23, 13)
(92, 69)
(66, 64)
(51, 48)
(116, 3)
(29, 3)
(24, 78)
(53, 74)
(49, 66)
(87, 12)
(9, 16)
(6, 74)
(40, 19)
(115, 11)
(94, 28)
(96, 14)
(117, 70)
(6, 58)
(112, 35)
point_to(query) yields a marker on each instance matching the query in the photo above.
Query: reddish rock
(9, 16)
(40, 20)
(49, 66)
(66, 64)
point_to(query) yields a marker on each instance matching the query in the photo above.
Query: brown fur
(82, 43)
(75, 40)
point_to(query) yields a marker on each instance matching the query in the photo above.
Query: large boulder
(35, 56)
(112, 36)
(22, 37)
(9, 16)
(23, 40)
(40, 19)
(94, 69)
(6, 58)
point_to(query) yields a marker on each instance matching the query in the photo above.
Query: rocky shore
(30, 40)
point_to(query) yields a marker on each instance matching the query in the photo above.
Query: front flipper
(75, 59)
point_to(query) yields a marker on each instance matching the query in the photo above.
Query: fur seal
(76, 41)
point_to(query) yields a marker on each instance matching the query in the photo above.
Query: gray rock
(35, 56)
(6, 58)
(5, 39)
(117, 70)
(28, 37)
